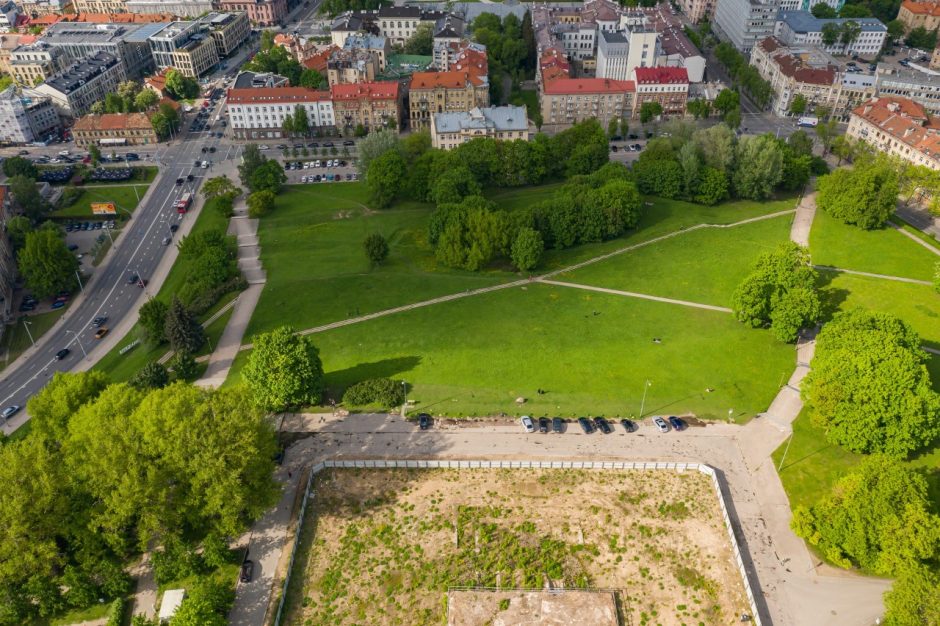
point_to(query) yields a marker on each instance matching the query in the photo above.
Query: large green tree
(284, 370)
(869, 387)
(260, 203)
(152, 320)
(251, 160)
(62, 396)
(759, 167)
(268, 176)
(182, 330)
(46, 263)
(914, 599)
(422, 42)
(864, 195)
(218, 187)
(527, 249)
(181, 87)
(373, 146)
(385, 178)
(878, 516)
(27, 197)
(18, 166)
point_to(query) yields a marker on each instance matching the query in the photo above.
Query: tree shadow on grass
(830, 298)
(339, 380)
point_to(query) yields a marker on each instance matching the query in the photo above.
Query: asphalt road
(138, 251)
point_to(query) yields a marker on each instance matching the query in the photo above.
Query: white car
(10, 411)
(661, 424)
(526, 422)
(306, 165)
(264, 147)
(316, 164)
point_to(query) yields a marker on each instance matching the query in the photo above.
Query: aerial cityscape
(476, 313)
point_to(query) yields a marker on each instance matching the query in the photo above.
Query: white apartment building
(745, 22)
(24, 119)
(506, 123)
(260, 113)
(800, 28)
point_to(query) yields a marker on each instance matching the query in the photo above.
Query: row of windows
(263, 108)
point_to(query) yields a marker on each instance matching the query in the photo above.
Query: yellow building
(919, 15)
(445, 92)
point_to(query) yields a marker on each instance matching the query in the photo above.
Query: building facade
(567, 101)
(698, 10)
(898, 127)
(919, 15)
(260, 112)
(667, 86)
(444, 92)
(745, 22)
(99, 6)
(371, 105)
(376, 44)
(260, 12)
(352, 66)
(228, 31)
(33, 63)
(184, 46)
(45, 7)
(506, 123)
(127, 42)
(83, 83)
(131, 129)
(621, 52)
(24, 120)
(9, 14)
(800, 28)
(179, 8)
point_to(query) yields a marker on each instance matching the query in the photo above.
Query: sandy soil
(384, 546)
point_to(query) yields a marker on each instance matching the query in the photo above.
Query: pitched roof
(662, 75)
(271, 95)
(906, 121)
(384, 90)
(562, 86)
(319, 60)
(921, 8)
(113, 122)
(445, 80)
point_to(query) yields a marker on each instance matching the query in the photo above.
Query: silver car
(661, 424)
(527, 424)
(10, 411)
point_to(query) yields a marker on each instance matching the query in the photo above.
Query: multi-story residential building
(935, 59)
(553, 64)
(8, 43)
(228, 31)
(376, 44)
(33, 63)
(185, 46)
(352, 66)
(83, 83)
(372, 105)
(24, 119)
(898, 127)
(801, 28)
(921, 88)
(566, 101)
(460, 56)
(444, 92)
(399, 23)
(179, 8)
(260, 12)
(110, 129)
(914, 14)
(448, 30)
(669, 86)
(9, 14)
(99, 6)
(128, 42)
(619, 53)
(259, 112)
(45, 7)
(698, 10)
(745, 22)
(506, 123)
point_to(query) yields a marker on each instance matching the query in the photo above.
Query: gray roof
(805, 22)
(472, 10)
(503, 118)
(613, 36)
(369, 42)
(81, 72)
(146, 31)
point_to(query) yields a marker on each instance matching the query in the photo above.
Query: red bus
(182, 205)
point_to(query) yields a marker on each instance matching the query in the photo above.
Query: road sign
(103, 208)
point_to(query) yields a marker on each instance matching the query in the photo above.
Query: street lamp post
(79, 277)
(78, 341)
(643, 402)
(404, 402)
(29, 334)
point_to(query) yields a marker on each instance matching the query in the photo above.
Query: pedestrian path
(900, 279)
(643, 296)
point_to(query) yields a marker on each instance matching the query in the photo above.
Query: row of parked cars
(326, 178)
(94, 225)
(306, 165)
(589, 425)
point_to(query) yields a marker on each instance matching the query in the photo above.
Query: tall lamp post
(29, 334)
(646, 386)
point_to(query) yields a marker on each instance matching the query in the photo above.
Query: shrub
(116, 612)
(381, 391)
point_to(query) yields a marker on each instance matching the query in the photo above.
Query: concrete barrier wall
(484, 464)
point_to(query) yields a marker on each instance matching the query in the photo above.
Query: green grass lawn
(123, 196)
(590, 351)
(16, 340)
(702, 266)
(918, 305)
(75, 616)
(882, 251)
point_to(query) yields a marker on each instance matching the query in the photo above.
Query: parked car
(558, 425)
(179, 181)
(628, 425)
(166, 241)
(527, 424)
(10, 411)
(58, 304)
(248, 568)
(602, 425)
(676, 423)
(424, 421)
(586, 425)
(61, 354)
(661, 424)
(349, 142)
(543, 424)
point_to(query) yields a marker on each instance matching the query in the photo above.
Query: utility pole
(29, 334)
(643, 402)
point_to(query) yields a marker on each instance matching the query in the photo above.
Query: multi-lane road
(138, 250)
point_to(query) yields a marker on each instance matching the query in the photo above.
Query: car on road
(349, 143)
(543, 424)
(558, 425)
(174, 227)
(10, 411)
(282, 146)
(676, 423)
(328, 144)
(424, 421)
(586, 425)
(61, 354)
(179, 181)
(101, 332)
(602, 425)
(264, 147)
(133, 278)
(628, 425)
(99, 321)
(661, 424)
(166, 241)
(527, 424)
(248, 568)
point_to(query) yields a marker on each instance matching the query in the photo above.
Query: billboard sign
(103, 208)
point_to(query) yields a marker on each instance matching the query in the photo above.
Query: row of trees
(712, 164)
(744, 74)
(109, 471)
(510, 47)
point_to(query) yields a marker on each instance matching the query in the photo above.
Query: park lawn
(881, 251)
(123, 196)
(590, 351)
(704, 265)
(75, 616)
(311, 249)
(918, 305)
(16, 340)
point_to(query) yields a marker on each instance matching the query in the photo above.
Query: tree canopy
(46, 263)
(283, 370)
(864, 195)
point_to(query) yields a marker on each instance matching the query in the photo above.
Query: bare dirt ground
(384, 546)
(531, 608)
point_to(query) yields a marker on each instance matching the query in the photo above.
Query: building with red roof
(566, 101)
(667, 86)
(260, 112)
(445, 92)
(898, 127)
(370, 105)
(914, 14)
(131, 129)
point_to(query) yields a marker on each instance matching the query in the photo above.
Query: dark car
(61, 354)
(313, 145)
(248, 568)
(133, 278)
(558, 425)
(543, 424)
(628, 425)
(179, 181)
(424, 421)
(174, 228)
(633, 136)
(614, 148)
(586, 425)
(99, 321)
(676, 423)
(349, 143)
(328, 144)
(211, 149)
(602, 425)
(197, 163)
(190, 178)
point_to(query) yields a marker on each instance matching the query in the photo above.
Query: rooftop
(113, 121)
(662, 75)
(247, 80)
(446, 80)
(505, 118)
(906, 121)
(81, 72)
(83, 32)
(563, 86)
(805, 22)
(804, 66)
(370, 42)
(921, 8)
(274, 95)
(373, 91)
(611, 36)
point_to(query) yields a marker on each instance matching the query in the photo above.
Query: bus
(809, 121)
(183, 204)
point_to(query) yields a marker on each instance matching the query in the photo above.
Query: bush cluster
(384, 392)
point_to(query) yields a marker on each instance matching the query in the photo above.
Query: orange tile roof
(921, 8)
(662, 75)
(124, 18)
(319, 60)
(906, 121)
(252, 95)
(563, 86)
(471, 60)
(384, 90)
(113, 121)
(445, 80)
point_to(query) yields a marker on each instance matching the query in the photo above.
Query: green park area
(126, 197)
(591, 352)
